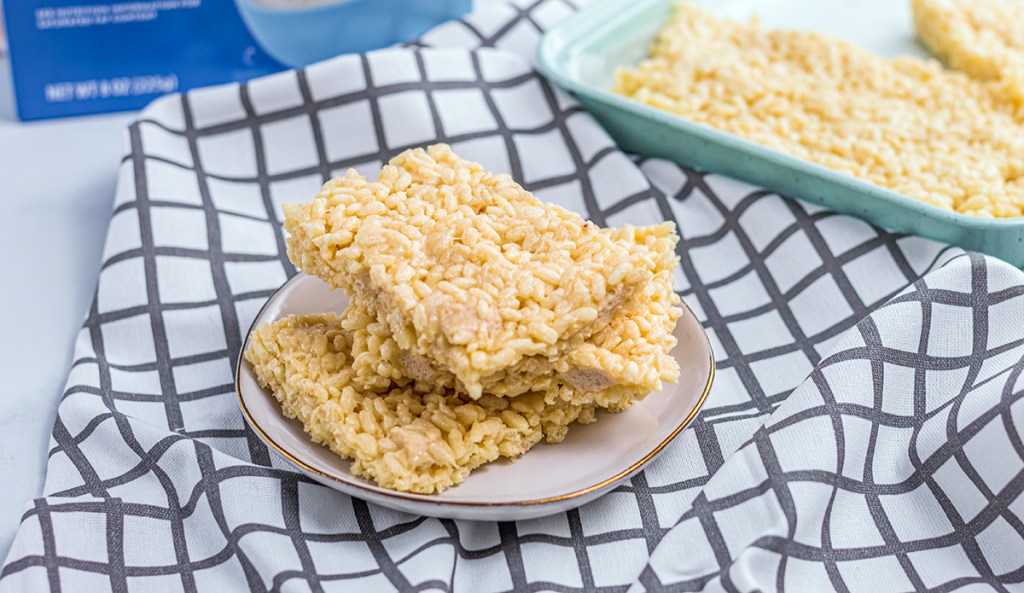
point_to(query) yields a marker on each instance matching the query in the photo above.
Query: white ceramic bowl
(592, 460)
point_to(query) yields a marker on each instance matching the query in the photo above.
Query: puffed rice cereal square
(468, 269)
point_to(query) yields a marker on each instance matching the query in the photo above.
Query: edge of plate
(425, 498)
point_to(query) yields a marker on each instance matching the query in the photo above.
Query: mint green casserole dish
(581, 55)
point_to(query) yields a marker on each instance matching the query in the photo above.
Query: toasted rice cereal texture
(467, 268)
(983, 38)
(625, 360)
(905, 124)
(400, 437)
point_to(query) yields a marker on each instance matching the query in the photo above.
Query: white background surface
(56, 187)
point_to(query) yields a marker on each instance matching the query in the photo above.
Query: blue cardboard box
(74, 57)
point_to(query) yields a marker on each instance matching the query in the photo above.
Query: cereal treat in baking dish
(403, 438)
(622, 362)
(469, 271)
(905, 124)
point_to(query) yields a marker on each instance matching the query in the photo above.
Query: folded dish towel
(863, 433)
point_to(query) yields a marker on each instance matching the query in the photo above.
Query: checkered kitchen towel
(863, 434)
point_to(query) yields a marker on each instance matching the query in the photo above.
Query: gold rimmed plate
(549, 479)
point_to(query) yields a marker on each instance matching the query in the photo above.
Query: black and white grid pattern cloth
(863, 433)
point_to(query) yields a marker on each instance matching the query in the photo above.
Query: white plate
(549, 479)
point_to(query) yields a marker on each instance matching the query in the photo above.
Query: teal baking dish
(581, 54)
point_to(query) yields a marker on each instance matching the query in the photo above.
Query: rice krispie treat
(905, 124)
(469, 270)
(983, 38)
(403, 438)
(619, 364)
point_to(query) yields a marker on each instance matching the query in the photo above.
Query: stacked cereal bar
(471, 273)
(400, 437)
(467, 288)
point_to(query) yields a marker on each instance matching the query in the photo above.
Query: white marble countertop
(56, 187)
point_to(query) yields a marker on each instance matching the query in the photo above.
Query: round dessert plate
(592, 460)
